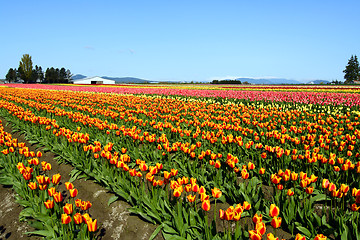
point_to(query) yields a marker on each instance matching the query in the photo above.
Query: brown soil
(114, 221)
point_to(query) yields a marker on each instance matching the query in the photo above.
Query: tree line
(28, 74)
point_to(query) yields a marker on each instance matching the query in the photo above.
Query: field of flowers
(202, 161)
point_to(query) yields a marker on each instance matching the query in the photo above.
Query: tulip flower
(262, 171)
(216, 193)
(191, 198)
(325, 183)
(65, 219)
(299, 237)
(246, 205)
(32, 185)
(309, 190)
(257, 218)
(68, 208)
(254, 235)
(276, 222)
(85, 205)
(320, 237)
(92, 225)
(274, 211)
(49, 204)
(290, 192)
(56, 179)
(51, 191)
(205, 205)
(58, 197)
(78, 203)
(78, 218)
(86, 217)
(270, 236)
(177, 192)
(260, 228)
(69, 185)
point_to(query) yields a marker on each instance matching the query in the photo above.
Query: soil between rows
(114, 221)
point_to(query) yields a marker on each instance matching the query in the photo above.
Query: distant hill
(268, 81)
(318, 82)
(127, 79)
(116, 79)
(78, 76)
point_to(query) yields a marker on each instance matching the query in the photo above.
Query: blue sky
(183, 40)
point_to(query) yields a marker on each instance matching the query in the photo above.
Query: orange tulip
(73, 192)
(262, 171)
(290, 192)
(274, 210)
(309, 190)
(191, 198)
(92, 225)
(78, 218)
(354, 207)
(320, 237)
(205, 205)
(257, 218)
(32, 185)
(254, 235)
(58, 197)
(294, 176)
(270, 236)
(299, 237)
(217, 164)
(276, 222)
(216, 193)
(260, 228)
(78, 203)
(86, 217)
(325, 183)
(177, 192)
(68, 208)
(85, 205)
(49, 204)
(246, 205)
(69, 185)
(51, 191)
(65, 219)
(56, 179)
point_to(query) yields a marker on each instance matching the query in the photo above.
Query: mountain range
(116, 79)
(266, 81)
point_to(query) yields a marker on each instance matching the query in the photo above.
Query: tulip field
(199, 161)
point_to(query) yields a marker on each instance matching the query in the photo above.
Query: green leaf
(172, 237)
(44, 233)
(304, 231)
(74, 174)
(138, 211)
(156, 232)
(112, 199)
(317, 198)
(7, 181)
(344, 235)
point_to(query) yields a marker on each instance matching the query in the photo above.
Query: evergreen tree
(352, 70)
(11, 75)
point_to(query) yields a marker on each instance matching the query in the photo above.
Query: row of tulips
(55, 214)
(313, 97)
(219, 165)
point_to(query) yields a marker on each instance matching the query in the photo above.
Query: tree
(68, 76)
(352, 70)
(11, 75)
(26, 67)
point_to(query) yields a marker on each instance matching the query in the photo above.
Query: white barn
(93, 80)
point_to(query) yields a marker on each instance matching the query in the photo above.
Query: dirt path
(115, 222)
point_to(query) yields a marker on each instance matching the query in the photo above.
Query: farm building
(93, 80)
